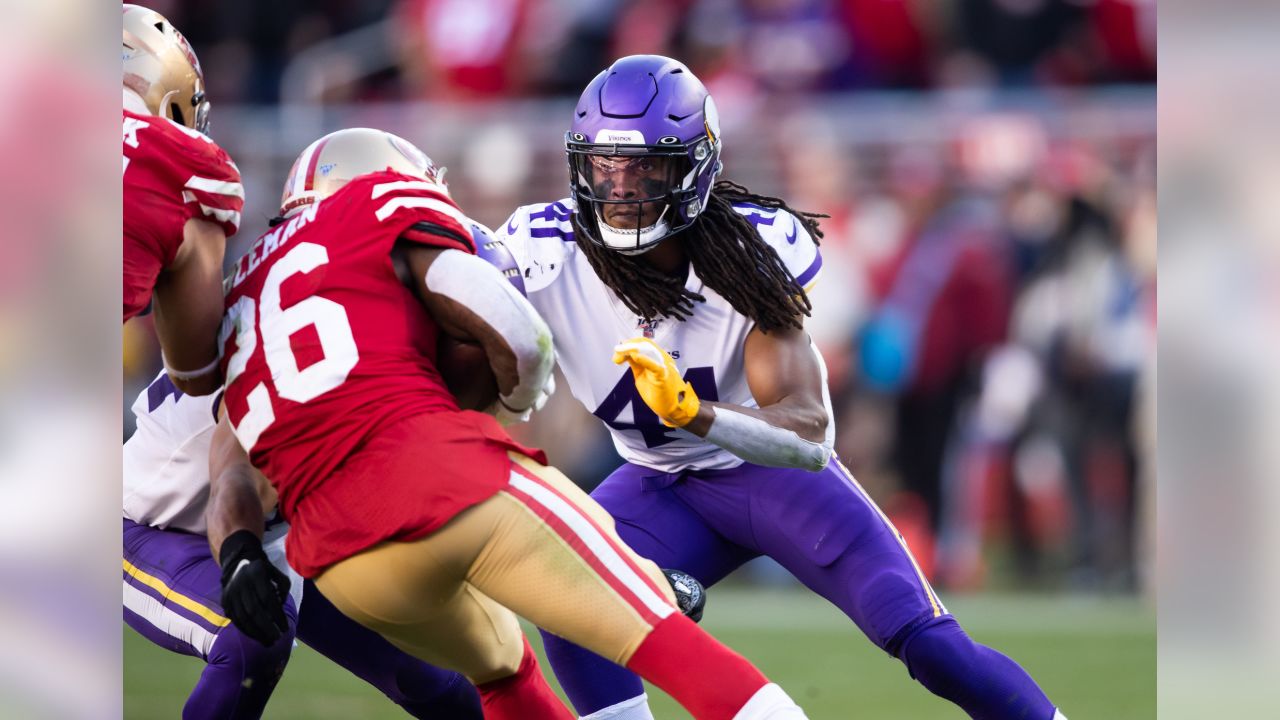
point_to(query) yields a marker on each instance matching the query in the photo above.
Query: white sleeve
(758, 442)
(538, 246)
(478, 286)
(799, 253)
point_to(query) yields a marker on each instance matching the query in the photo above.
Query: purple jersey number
(703, 380)
(159, 389)
(162, 387)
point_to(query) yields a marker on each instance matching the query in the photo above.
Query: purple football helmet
(644, 151)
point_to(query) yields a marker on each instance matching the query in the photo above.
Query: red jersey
(171, 174)
(331, 382)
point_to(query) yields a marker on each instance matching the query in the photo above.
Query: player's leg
(590, 588)
(171, 597)
(828, 532)
(415, 594)
(423, 690)
(533, 547)
(658, 526)
(984, 682)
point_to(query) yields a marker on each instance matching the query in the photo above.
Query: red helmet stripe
(311, 166)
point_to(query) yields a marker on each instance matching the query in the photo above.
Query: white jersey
(588, 320)
(166, 460)
(166, 468)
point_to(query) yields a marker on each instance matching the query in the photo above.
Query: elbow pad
(472, 282)
(758, 442)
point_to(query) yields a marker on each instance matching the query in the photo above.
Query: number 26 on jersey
(267, 327)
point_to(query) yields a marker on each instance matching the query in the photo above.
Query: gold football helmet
(330, 162)
(161, 67)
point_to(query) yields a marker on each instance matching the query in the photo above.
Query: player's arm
(188, 309)
(473, 301)
(789, 429)
(253, 590)
(240, 497)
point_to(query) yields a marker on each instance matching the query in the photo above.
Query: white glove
(507, 416)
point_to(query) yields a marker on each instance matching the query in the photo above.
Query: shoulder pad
(410, 208)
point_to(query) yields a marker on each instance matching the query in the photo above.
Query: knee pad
(505, 662)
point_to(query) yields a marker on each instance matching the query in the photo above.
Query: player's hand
(508, 416)
(658, 381)
(253, 590)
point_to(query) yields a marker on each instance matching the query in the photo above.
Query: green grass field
(1095, 657)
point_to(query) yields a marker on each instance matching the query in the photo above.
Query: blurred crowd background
(987, 302)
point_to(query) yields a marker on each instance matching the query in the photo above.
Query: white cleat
(637, 708)
(770, 703)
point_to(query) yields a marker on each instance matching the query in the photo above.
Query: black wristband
(430, 228)
(239, 545)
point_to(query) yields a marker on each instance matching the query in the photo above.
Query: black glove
(691, 597)
(253, 590)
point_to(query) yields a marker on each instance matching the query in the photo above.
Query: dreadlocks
(727, 253)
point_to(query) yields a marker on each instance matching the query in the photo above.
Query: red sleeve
(418, 211)
(211, 185)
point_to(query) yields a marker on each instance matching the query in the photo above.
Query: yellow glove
(658, 381)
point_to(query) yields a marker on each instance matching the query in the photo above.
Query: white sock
(1057, 715)
(637, 708)
(770, 703)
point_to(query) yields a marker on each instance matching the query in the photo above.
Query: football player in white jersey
(677, 303)
(172, 584)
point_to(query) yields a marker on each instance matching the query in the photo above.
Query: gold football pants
(540, 548)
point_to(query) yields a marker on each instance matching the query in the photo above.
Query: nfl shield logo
(647, 326)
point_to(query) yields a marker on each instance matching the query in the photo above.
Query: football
(465, 369)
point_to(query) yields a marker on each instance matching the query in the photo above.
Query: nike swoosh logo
(511, 226)
(795, 231)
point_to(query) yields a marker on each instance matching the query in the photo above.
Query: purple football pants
(172, 597)
(819, 526)
(825, 530)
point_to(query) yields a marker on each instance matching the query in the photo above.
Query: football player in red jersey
(182, 199)
(425, 522)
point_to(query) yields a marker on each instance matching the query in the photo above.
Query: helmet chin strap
(625, 242)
